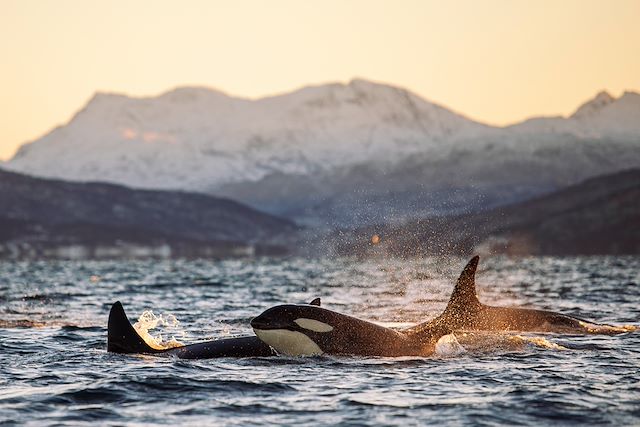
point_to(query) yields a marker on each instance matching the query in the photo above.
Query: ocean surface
(54, 368)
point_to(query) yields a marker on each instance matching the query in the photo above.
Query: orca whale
(297, 330)
(300, 330)
(123, 338)
(465, 312)
(305, 330)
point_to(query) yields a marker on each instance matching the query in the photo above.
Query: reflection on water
(54, 368)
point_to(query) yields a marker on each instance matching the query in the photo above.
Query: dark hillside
(40, 217)
(598, 216)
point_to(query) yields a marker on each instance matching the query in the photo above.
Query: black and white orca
(123, 338)
(307, 330)
(303, 330)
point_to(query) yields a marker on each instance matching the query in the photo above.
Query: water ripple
(54, 369)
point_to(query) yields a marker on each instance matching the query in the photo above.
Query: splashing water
(148, 321)
(537, 341)
(448, 346)
(479, 342)
(608, 329)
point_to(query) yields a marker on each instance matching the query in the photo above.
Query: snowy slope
(602, 117)
(334, 154)
(196, 138)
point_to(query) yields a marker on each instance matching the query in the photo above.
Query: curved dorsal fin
(121, 336)
(316, 301)
(464, 294)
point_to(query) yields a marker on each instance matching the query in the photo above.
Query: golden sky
(497, 61)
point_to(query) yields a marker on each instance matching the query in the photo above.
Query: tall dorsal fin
(462, 306)
(121, 336)
(464, 294)
(316, 301)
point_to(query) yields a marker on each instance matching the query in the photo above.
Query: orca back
(249, 346)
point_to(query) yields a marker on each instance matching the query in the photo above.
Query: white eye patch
(313, 325)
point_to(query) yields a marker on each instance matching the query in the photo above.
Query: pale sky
(497, 61)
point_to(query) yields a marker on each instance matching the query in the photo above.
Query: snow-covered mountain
(196, 138)
(334, 154)
(602, 117)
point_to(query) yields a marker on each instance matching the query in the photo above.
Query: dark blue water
(54, 368)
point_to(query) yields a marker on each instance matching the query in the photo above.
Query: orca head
(292, 329)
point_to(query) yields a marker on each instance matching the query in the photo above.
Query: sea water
(54, 368)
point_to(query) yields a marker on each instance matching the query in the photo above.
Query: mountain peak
(186, 94)
(178, 95)
(364, 83)
(630, 96)
(601, 100)
(100, 97)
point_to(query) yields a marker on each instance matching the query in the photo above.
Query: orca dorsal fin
(464, 296)
(121, 336)
(316, 301)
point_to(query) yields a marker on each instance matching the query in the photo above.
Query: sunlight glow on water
(149, 321)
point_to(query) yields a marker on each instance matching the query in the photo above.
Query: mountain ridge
(208, 90)
(336, 147)
(311, 124)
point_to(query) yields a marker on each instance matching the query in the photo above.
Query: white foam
(448, 346)
(537, 342)
(594, 328)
